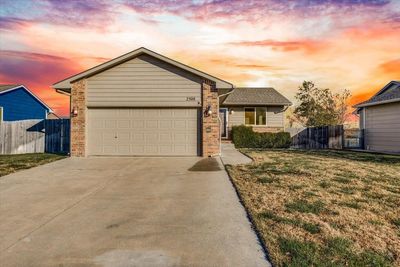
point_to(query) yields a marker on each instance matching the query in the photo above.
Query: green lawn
(323, 208)
(13, 163)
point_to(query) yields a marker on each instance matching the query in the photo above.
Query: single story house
(261, 108)
(380, 119)
(18, 103)
(143, 103)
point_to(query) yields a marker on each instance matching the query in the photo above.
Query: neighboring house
(261, 108)
(18, 103)
(143, 103)
(380, 119)
(53, 116)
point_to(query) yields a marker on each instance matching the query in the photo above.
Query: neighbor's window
(255, 116)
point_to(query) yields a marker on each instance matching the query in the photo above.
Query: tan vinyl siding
(382, 127)
(143, 82)
(275, 116)
(237, 118)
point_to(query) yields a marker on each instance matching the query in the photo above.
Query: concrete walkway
(231, 156)
(125, 212)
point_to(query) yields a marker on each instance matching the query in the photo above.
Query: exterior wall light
(232, 112)
(208, 111)
(74, 111)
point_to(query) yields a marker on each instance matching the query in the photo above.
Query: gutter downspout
(219, 120)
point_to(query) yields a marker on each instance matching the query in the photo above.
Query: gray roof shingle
(256, 96)
(5, 87)
(390, 92)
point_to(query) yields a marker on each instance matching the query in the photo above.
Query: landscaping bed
(13, 163)
(323, 208)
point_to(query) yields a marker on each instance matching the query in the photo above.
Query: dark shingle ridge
(5, 87)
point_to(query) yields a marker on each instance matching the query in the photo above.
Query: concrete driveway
(124, 212)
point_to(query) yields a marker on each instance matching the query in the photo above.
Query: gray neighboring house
(380, 119)
(261, 108)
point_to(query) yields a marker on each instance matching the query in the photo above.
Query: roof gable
(9, 88)
(255, 96)
(65, 84)
(389, 93)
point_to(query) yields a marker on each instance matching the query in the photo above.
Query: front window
(255, 116)
(249, 117)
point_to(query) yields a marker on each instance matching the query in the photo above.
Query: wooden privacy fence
(319, 138)
(57, 136)
(35, 136)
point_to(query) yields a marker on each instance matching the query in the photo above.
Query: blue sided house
(18, 103)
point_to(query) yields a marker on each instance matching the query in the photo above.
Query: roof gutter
(62, 92)
(377, 103)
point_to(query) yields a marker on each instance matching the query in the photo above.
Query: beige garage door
(143, 132)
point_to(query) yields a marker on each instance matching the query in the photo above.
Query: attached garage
(143, 104)
(143, 131)
(143, 107)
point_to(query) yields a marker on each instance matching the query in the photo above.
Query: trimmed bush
(245, 137)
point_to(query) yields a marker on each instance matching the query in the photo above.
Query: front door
(223, 114)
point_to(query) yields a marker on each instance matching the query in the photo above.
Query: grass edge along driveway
(13, 163)
(323, 208)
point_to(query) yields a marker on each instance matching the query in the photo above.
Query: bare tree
(319, 107)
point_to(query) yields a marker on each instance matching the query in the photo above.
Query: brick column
(78, 101)
(210, 123)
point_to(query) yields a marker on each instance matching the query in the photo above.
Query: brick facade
(78, 121)
(210, 123)
(268, 129)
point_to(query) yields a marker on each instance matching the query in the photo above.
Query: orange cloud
(384, 73)
(391, 68)
(360, 97)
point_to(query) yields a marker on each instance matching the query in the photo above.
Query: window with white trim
(255, 116)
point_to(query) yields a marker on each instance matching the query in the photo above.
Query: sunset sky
(350, 44)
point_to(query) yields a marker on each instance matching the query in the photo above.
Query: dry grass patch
(13, 163)
(324, 208)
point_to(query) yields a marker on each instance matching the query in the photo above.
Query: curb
(250, 218)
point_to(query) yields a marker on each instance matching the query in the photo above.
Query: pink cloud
(263, 10)
(310, 46)
(38, 72)
(96, 14)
